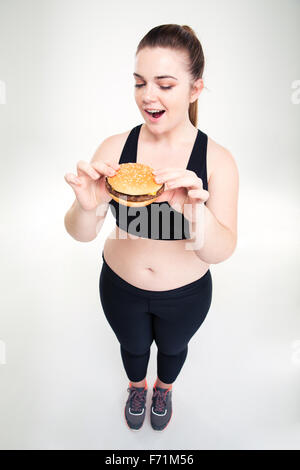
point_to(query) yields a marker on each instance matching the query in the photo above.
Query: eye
(162, 87)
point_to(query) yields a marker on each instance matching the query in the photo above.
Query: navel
(150, 269)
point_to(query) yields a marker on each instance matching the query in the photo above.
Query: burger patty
(130, 197)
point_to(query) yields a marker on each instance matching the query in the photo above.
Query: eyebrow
(157, 77)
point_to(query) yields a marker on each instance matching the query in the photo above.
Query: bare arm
(84, 220)
(84, 225)
(217, 225)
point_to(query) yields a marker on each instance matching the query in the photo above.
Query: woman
(160, 287)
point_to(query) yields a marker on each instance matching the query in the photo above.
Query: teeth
(154, 110)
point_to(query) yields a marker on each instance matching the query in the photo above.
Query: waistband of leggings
(177, 292)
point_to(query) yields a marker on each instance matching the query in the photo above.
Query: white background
(67, 70)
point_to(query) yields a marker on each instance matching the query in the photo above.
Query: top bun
(134, 179)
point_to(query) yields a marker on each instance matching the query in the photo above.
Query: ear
(197, 87)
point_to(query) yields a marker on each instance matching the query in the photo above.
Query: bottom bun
(125, 202)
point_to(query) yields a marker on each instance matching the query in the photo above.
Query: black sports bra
(158, 220)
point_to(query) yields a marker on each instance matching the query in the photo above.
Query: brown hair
(181, 38)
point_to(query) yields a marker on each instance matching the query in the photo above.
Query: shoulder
(111, 147)
(220, 158)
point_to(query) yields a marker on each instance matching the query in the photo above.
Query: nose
(148, 95)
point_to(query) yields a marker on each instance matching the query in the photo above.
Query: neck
(181, 134)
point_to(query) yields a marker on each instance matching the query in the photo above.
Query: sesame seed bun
(133, 185)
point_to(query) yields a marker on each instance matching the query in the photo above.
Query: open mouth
(155, 115)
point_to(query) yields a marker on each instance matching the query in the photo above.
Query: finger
(104, 168)
(72, 179)
(86, 168)
(198, 194)
(194, 193)
(178, 199)
(164, 197)
(185, 182)
(162, 177)
(157, 171)
(114, 165)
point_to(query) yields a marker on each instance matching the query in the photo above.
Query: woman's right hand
(89, 184)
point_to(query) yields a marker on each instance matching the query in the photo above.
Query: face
(173, 93)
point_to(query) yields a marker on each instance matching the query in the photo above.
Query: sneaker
(135, 408)
(161, 409)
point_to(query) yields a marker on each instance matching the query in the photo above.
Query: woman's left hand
(182, 187)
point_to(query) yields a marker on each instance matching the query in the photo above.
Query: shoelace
(137, 399)
(159, 400)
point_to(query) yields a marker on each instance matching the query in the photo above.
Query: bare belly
(152, 264)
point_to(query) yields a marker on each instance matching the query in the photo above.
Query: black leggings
(139, 316)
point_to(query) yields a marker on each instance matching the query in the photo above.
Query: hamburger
(133, 185)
